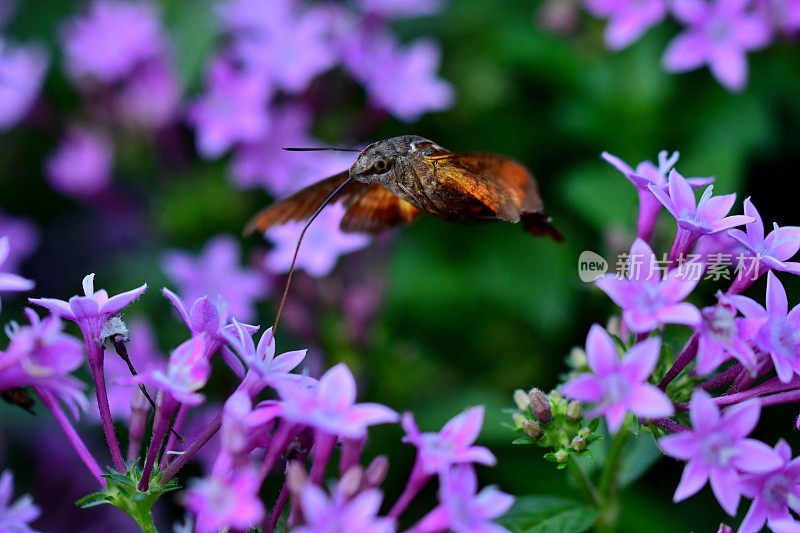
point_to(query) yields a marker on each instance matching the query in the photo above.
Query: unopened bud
(296, 477)
(532, 429)
(577, 358)
(540, 406)
(574, 411)
(578, 444)
(518, 419)
(521, 399)
(584, 432)
(350, 483)
(376, 471)
(561, 456)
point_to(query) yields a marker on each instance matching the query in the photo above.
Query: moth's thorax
(377, 163)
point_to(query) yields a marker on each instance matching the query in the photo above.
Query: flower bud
(376, 471)
(350, 482)
(573, 412)
(584, 432)
(521, 399)
(540, 406)
(518, 419)
(296, 477)
(532, 429)
(561, 456)
(578, 444)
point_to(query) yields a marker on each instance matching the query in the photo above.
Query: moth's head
(377, 160)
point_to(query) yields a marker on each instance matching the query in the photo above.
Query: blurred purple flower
(264, 163)
(330, 406)
(233, 109)
(718, 33)
(82, 164)
(22, 71)
(647, 300)
(400, 8)
(778, 335)
(724, 335)
(216, 273)
(11, 282)
(462, 508)
(773, 493)
(221, 503)
(187, 372)
(108, 41)
(151, 97)
(23, 239)
(322, 245)
(402, 81)
(716, 449)
(358, 514)
(41, 355)
(646, 174)
(286, 44)
(628, 19)
(15, 517)
(617, 387)
(784, 15)
(695, 219)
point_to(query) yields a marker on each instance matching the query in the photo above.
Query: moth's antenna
(291, 149)
(297, 249)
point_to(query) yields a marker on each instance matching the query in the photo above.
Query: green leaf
(548, 514)
(640, 454)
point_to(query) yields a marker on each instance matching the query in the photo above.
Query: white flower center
(717, 450)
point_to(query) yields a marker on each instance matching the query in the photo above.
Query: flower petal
(777, 303)
(682, 445)
(464, 428)
(687, 51)
(725, 485)
(648, 401)
(693, 478)
(641, 359)
(601, 351)
(740, 419)
(703, 413)
(116, 303)
(756, 457)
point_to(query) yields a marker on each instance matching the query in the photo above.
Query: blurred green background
(470, 312)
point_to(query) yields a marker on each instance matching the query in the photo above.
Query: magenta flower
(22, 71)
(82, 163)
(151, 97)
(646, 174)
(15, 517)
(695, 219)
(773, 493)
(23, 239)
(216, 273)
(462, 508)
(401, 80)
(11, 282)
(330, 406)
(400, 8)
(231, 502)
(783, 15)
(718, 34)
(778, 335)
(627, 19)
(618, 387)
(646, 300)
(322, 245)
(716, 449)
(234, 109)
(110, 40)
(769, 253)
(358, 514)
(723, 335)
(187, 372)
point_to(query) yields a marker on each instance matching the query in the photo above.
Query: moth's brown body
(394, 180)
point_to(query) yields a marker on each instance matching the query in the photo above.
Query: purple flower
(92, 310)
(462, 508)
(109, 40)
(771, 252)
(617, 387)
(778, 335)
(723, 335)
(400, 8)
(234, 109)
(22, 71)
(773, 493)
(264, 163)
(289, 46)
(41, 355)
(646, 300)
(216, 273)
(783, 15)
(322, 245)
(11, 282)
(628, 19)
(23, 239)
(151, 97)
(230, 502)
(330, 406)
(187, 372)
(82, 164)
(716, 449)
(695, 219)
(358, 514)
(15, 517)
(401, 80)
(646, 174)
(718, 33)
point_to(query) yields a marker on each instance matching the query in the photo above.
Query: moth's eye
(381, 164)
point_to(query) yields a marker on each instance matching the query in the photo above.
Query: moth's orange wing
(302, 204)
(374, 209)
